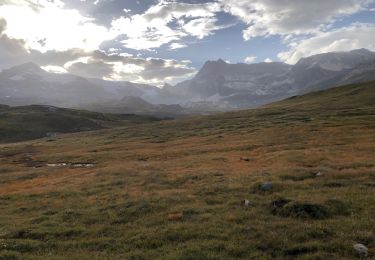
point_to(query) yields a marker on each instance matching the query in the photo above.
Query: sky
(167, 41)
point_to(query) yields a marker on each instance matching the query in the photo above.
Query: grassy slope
(173, 189)
(31, 122)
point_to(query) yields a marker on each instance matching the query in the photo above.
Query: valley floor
(176, 189)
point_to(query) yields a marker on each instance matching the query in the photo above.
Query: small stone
(361, 249)
(247, 203)
(245, 159)
(318, 174)
(267, 186)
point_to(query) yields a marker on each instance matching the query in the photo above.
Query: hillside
(31, 122)
(293, 179)
(138, 106)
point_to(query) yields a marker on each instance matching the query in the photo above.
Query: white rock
(247, 203)
(361, 249)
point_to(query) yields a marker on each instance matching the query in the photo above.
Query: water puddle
(70, 165)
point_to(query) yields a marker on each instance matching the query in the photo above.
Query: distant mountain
(236, 85)
(218, 86)
(29, 84)
(250, 85)
(139, 106)
(336, 61)
(123, 89)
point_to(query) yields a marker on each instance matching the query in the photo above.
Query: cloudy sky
(157, 41)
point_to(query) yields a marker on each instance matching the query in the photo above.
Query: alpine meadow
(187, 129)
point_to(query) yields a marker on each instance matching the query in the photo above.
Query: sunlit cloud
(285, 17)
(48, 26)
(348, 38)
(250, 59)
(166, 22)
(177, 45)
(54, 69)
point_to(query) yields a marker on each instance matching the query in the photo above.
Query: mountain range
(218, 86)
(250, 85)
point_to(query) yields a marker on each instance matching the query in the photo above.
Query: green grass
(175, 189)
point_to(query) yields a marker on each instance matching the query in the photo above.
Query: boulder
(361, 249)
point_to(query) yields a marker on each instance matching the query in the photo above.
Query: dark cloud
(3, 25)
(57, 58)
(12, 51)
(161, 72)
(149, 70)
(91, 69)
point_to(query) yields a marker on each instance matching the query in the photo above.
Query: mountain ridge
(266, 82)
(217, 86)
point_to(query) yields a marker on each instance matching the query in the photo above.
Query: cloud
(54, 69)
(202, 27)
(250, 59)
(94, 64)
(12, 51)
(150, 70)
(177, 45)
(286, 17)
(120, 67)
(170, 10)
(268, 60)
(166, 22)
(91, 69)
(46, 25)
(358, 35)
